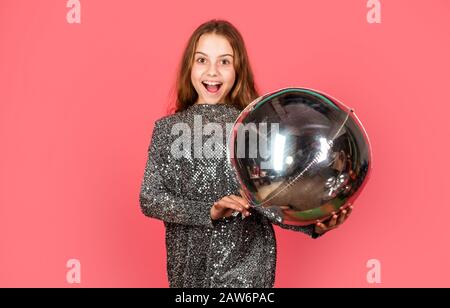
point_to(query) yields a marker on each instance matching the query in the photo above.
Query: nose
(212, 70)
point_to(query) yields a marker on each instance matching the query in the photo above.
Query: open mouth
(212, 87)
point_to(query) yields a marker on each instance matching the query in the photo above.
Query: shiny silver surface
(312, 156)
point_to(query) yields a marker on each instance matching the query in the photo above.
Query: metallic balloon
(300, 154)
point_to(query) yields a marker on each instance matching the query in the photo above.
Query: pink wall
(78, 103)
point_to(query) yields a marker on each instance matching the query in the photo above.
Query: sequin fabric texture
(201, 252)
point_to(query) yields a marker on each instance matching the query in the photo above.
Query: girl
(208, 245)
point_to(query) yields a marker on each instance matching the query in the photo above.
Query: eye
(225, 61)
(201, 60)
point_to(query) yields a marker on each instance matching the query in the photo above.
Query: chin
(214, 100)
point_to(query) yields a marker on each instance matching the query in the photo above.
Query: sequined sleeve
(156, 200)
(305, 229)
(309, 229)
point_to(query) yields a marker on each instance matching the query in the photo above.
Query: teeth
(212, 83)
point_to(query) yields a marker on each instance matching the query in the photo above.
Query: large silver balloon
(299, 153)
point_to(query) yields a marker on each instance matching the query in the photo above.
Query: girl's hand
(227, 205)
(335, 221)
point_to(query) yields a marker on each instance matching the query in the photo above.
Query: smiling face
(213, 73)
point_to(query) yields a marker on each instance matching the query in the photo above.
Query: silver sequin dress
(229, 252)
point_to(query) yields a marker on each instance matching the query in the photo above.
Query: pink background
(78, 103)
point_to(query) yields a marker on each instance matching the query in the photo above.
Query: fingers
(320, 228)
(239, 200)
(228, 202)
(243, 202)
(333, 221)
(349, 211)
(342, 216)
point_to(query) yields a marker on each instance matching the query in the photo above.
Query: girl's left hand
(335, 221)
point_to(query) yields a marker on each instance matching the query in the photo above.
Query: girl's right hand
(227, 205)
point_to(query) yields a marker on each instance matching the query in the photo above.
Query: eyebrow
(227, 54)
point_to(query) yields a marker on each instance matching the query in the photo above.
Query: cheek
(196, 74)
(230, 77)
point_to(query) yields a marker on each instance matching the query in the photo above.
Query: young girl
(208, 245)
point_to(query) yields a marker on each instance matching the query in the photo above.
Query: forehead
(214, 45)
